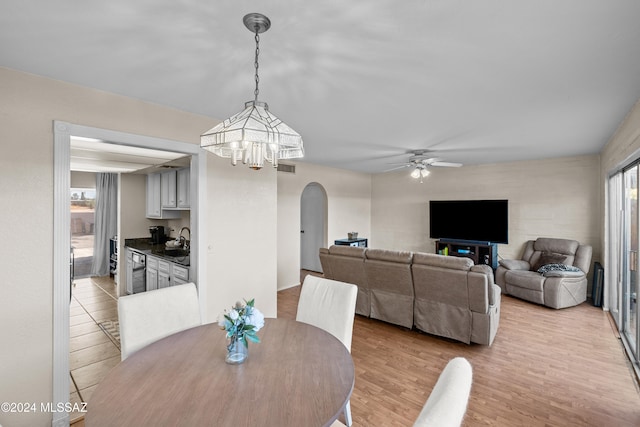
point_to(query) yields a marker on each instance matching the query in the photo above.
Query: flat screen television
(476, 220)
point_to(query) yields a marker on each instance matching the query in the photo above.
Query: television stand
(479, 252)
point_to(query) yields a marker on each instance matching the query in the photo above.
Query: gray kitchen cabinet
(180, 274)
(175, 185)
(183, 188)
(154, 208)
(164, 274)
(161, 273)
(154, 198)
(168, 188)
(152, 273)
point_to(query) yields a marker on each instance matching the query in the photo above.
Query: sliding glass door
(630, 269)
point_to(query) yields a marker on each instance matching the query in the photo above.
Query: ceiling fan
(419, 161)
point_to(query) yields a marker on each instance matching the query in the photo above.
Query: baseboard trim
(289, 286)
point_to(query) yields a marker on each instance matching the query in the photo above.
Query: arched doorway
(313, 229)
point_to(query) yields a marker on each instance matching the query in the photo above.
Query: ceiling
(94, 155)
(364, 83)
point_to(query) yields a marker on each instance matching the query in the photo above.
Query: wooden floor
(546, 367)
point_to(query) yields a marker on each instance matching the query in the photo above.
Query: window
(83, 203)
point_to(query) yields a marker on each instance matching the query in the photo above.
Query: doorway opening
(62, 237)
(313, 226)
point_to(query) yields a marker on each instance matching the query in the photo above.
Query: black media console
(361, 242)
(479, 252)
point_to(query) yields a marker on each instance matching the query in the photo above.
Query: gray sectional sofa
(441, 295)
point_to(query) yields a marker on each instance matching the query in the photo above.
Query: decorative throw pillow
(558, 267)
(560, 270)
(548, 258)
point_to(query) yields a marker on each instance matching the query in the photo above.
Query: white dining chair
(149, 316)
(448, 400)
(329, 305)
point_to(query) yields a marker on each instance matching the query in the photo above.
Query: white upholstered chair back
(149, 316)
(448, 400)
(329, 305)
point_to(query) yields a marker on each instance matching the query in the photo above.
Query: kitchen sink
(176, 252)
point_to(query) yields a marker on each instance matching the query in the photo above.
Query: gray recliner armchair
(552, 272)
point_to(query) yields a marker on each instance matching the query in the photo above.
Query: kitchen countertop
(144, 245)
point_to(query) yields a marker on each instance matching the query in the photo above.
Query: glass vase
(237, 351)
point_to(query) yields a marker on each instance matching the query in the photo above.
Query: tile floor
(92, 353)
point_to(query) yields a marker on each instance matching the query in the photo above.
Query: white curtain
(106, 221)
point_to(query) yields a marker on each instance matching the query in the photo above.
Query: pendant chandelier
(254, 134)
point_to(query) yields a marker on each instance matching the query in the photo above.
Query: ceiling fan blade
(396, 168)
(446, 164)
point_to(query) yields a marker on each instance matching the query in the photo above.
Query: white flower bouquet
(242, 323)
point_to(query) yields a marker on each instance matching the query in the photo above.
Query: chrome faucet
(180, 238)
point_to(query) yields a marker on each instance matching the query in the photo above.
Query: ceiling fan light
(424, 172)
(415, 173)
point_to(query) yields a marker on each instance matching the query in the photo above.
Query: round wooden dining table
(298, 375)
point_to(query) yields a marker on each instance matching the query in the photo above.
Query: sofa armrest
(515, 264)
(494, 295)
(486, 270)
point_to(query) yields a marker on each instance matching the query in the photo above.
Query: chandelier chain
(255, 63)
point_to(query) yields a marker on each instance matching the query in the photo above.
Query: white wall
(348, 206)
(624, 143)
(552, 198)
(132, 218)
(133, 221)
(242, 229)
(242, 220)
(173, 226)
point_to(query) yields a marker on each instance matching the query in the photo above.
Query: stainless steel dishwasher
(137, 274)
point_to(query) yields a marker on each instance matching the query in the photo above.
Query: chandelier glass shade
(254, 134)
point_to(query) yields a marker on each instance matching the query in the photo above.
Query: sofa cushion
(346, 264)
(548, 258)
(559, 246)
(583, 257)
(392, 307)
(388, 275)
(444, 320)
(450, 262)
(525, 279)
(354, 251)
(389, 256)
(325, 263)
